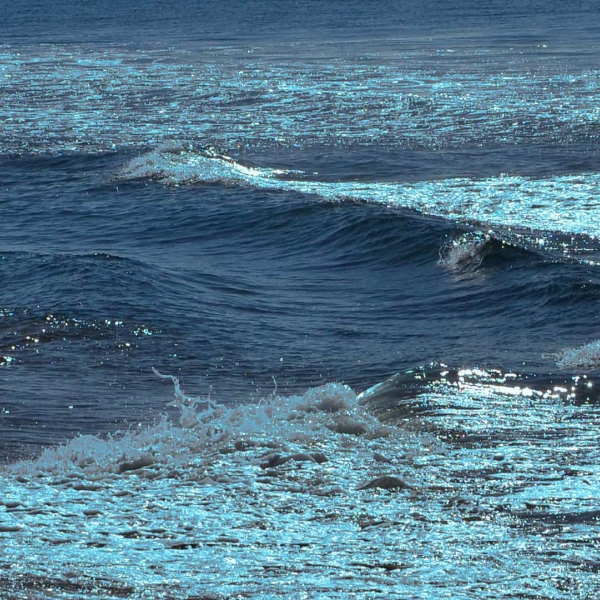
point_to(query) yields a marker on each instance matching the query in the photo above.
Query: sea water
(299, 299)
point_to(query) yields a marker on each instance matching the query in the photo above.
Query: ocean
(299, 299)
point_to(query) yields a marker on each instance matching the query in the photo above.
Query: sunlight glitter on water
(311, 494)
(104, 100)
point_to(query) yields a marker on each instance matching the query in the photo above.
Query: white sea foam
(180, 165)
(464, 252)
(204, 427)
(295, 497)
(243, 489)
(583, 357)
(566, 204)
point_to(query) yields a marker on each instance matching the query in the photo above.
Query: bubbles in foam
(464, 252)
(272, 499)
(584, 357)
(203, 428)
(209, 505)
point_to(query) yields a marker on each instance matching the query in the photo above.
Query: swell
(69, 280)
(296, 228)
(214, 248)
(565, 205)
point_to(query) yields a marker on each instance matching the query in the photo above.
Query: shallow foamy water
(314, 495)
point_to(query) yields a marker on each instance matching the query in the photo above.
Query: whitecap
(583, 357)
(563, 204)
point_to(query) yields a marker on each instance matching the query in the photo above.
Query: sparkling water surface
(364, 237)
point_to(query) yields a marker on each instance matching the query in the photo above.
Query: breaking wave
(288, 495)
(564, 204)
(205, 427)
(464, 252)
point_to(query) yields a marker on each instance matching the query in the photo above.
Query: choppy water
(285, 206)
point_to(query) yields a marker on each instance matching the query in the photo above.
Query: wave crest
(583, 357)
(206, 428)
(177, 164)
(559, 205)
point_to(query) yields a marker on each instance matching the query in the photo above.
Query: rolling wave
(566, 205)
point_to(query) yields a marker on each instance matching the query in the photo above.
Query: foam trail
(567, 204)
